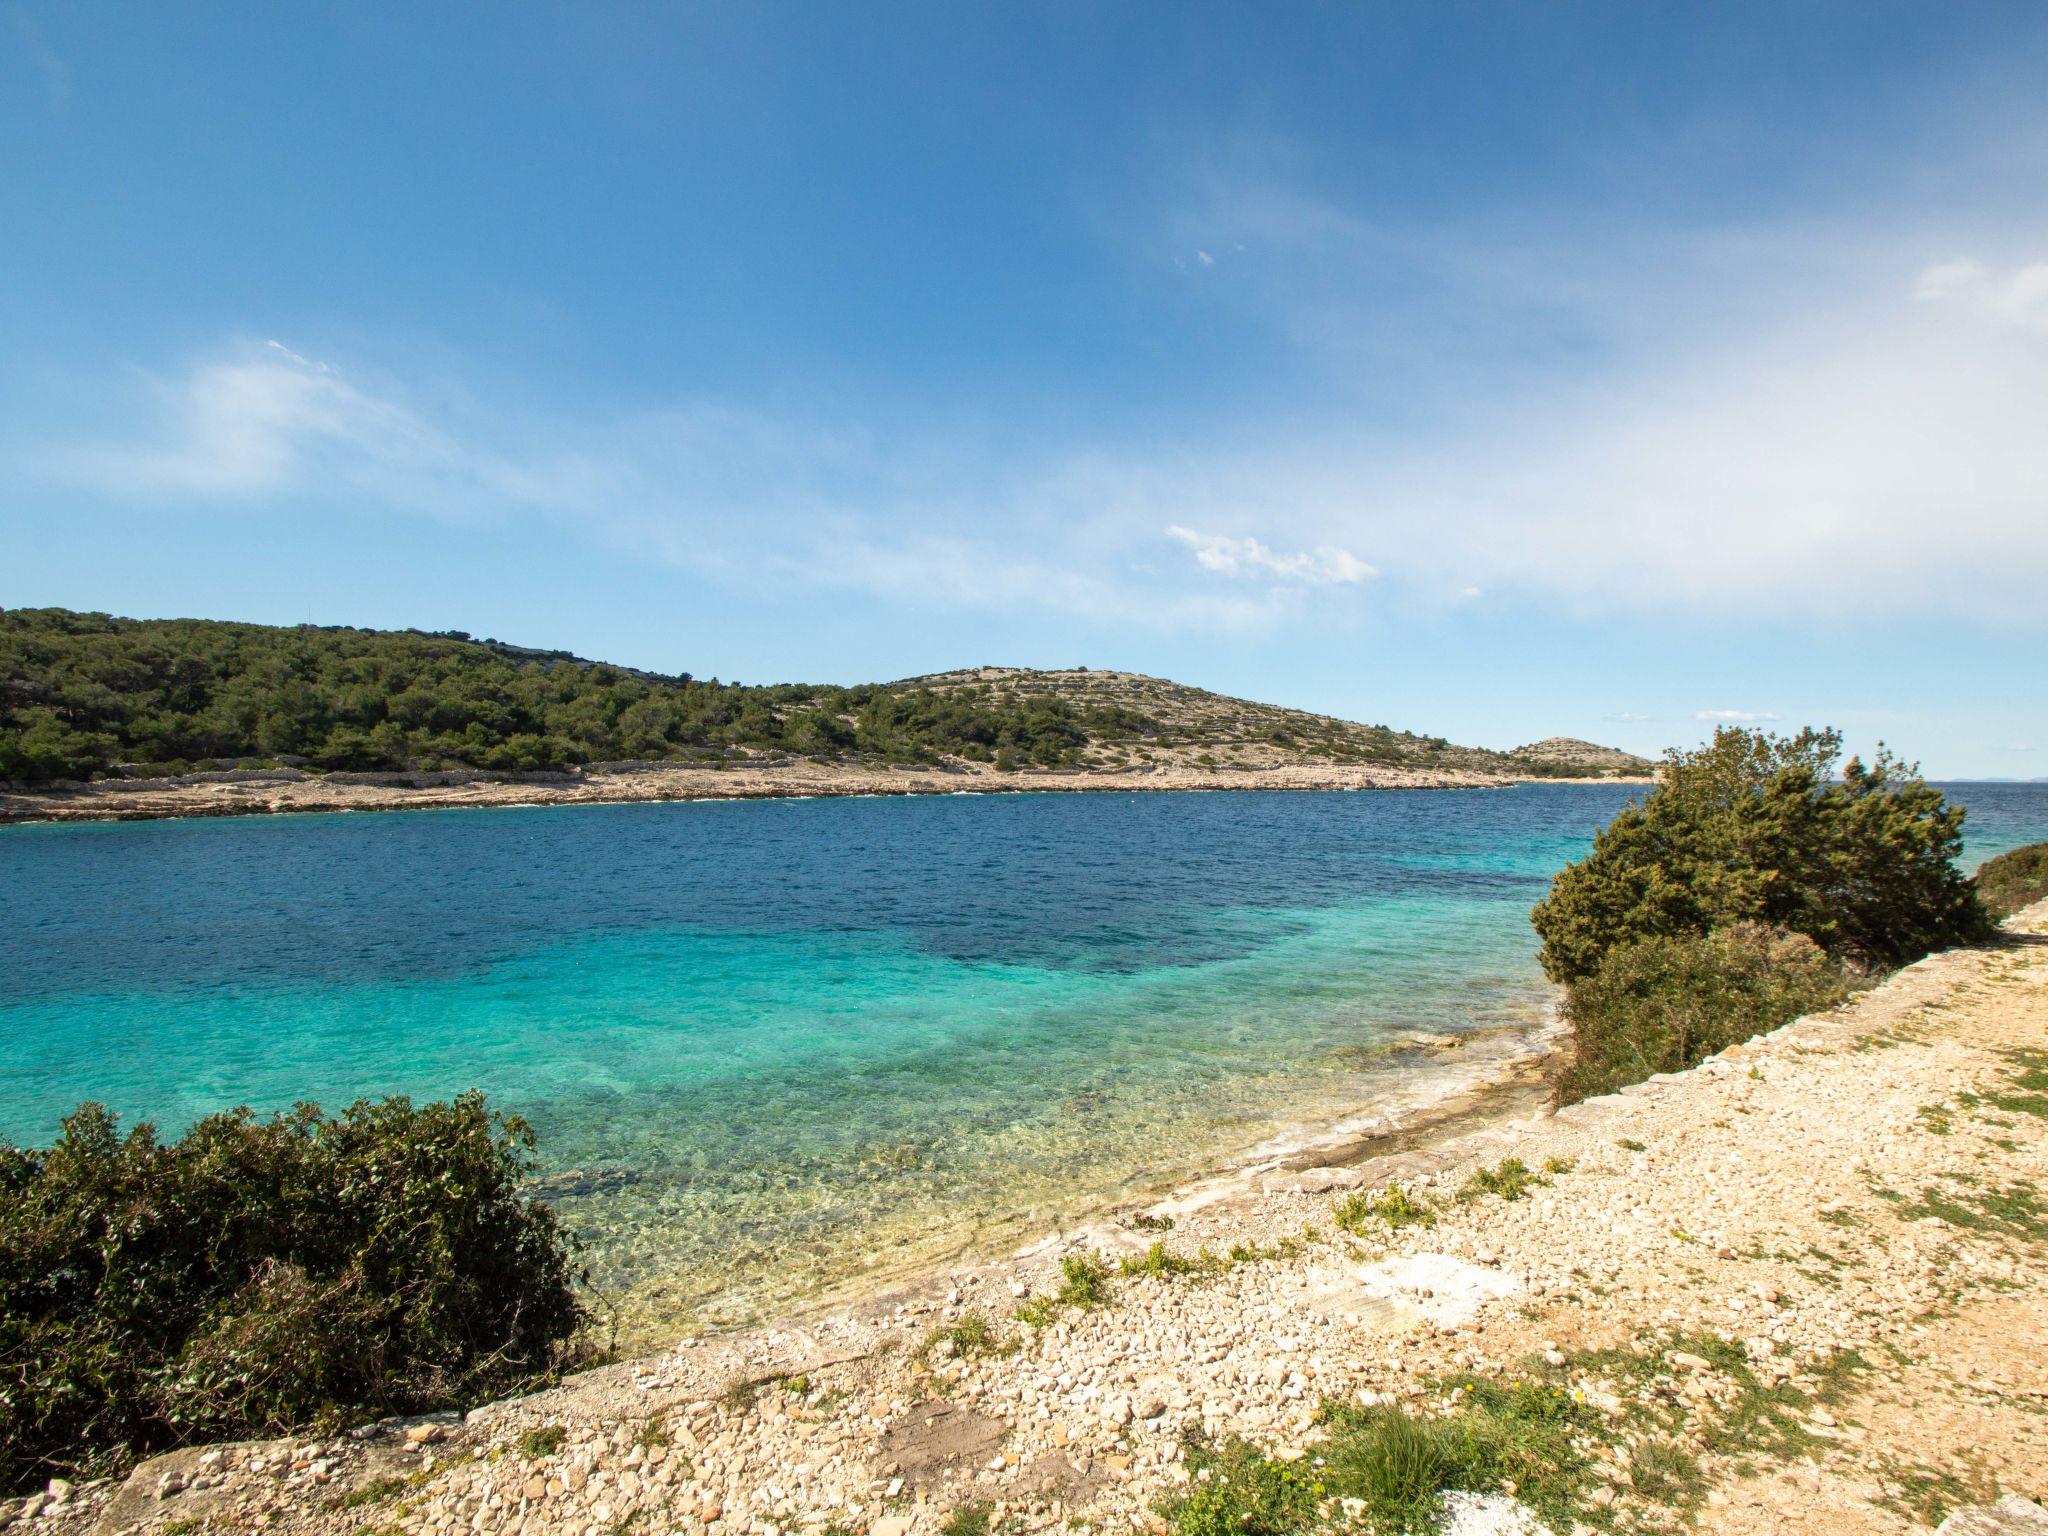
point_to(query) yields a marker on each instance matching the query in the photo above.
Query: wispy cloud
(1735, 716)
(1247, 557)
(55, 72)
(1874, 454)
(741, 497)
(2016, 295)
(1630, 716)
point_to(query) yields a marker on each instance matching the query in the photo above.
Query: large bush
(2014, 880)
(1668, 1002)
(1760, 828)
(257, 1276)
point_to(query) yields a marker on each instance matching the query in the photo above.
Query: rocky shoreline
(254, 792)
(1841, 1221)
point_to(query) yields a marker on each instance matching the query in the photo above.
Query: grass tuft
(539, 1444)
(1510, 1180)
(1396, 1207)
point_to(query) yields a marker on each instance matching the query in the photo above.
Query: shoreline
(1507, 1082)
(286, 792)
(1856, 1186)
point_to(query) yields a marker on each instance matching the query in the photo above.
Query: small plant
(376, 1491)
(1510, 1180)
(1148, 1223)
(971, 1335)
(740, 1396)
(967, 1520)
(539, 1444)
(1084, 1283)
(653, 1435)
(1559, 1164)
(1627, 1145)
(1396, 1207)
(1156, 1262)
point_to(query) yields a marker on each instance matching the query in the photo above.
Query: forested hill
(85, 695)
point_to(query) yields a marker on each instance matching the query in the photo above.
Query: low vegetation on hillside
(260, 1276)
(84, 695)
(2014, 880)
(1753, 884)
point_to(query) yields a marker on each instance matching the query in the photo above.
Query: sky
(1494, 371)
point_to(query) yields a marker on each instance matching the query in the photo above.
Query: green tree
(1755, 827)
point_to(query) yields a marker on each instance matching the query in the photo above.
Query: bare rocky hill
(1199, 729)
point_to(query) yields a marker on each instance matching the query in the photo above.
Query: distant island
(115, 717)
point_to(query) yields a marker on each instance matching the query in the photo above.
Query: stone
(2010, 1516)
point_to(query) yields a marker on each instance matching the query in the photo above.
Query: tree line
(81, 693)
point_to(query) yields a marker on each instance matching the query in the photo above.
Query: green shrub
(1757, 828)
(2014, 880)
(1666, 1003)
(259, 1276)
(1156, 1262)
(1510, 1180)
(1396, 1207)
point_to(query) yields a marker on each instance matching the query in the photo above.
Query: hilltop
(1192, 726)
(103, 715)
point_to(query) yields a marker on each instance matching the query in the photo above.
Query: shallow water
(799, 1039)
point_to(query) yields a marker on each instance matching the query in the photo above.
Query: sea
(773, 1049)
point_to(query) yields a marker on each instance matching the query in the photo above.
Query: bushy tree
(1755, 827)
(2014, 880)
(1668, 1002)
(260, 1276)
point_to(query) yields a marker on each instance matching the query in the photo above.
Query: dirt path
(1798, 1288)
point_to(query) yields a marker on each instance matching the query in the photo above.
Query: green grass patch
(1084, 1283)
(2014, 1211)
(1510, 1180)
(1396, 1207)
(972, 1334)
(376, 1491)
(967, 1520)
(541, 1443)
(1397, 1465)
(1155, 1261)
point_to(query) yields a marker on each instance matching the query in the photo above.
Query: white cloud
(1877, 455)
(1631, 716)
(260, 422)
(1737, 716)
(2016, 296)
(1247, 557)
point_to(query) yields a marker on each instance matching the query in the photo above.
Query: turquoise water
(799, 1040)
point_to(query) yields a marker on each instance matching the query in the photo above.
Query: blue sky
(1500, 371)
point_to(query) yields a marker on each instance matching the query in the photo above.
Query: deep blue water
(808, 1032)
